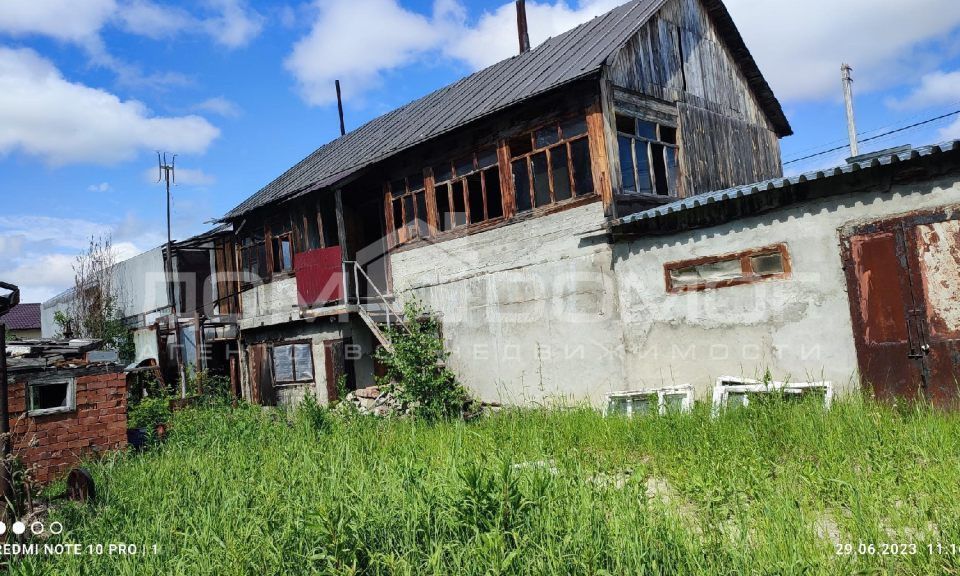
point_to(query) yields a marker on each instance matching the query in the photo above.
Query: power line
(877, 137)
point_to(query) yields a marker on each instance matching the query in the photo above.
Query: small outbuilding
(67, 401)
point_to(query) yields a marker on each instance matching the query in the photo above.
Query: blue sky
(89, 89)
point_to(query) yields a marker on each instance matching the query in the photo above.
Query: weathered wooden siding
(679, 57)
(720, 151)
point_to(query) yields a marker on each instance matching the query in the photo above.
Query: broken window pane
(487, 158)
(644, 181)
(573, 128)
(582, 172)
(541, 182)
(311, 232)
(397, 214)
(491, 178)
(626, 164)
(442, 194)
(398, 188)
(546, 136)
(659, 169)
(626, 125)
(767, 264)
(409, 216)
(415, 182)
(561, 173)
(283, 364)
(520, 145)
(464, 166)
(475, 195)
(422, 227)
(521, 183)
(442, 172)
(303, 362)
(459, 205)
(47, 396)
(668, 134)
(673, 170)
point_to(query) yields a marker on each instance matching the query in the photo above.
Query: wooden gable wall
(679, 57)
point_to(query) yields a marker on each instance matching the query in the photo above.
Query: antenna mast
(168, 174)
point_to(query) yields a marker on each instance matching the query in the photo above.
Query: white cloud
(219, 105)
(354, 41)
(801, 45)
(950, 132)
(234, 25)
(44, 115)
(60, 19)
(935, 89)
(184, 176)
(151, 20)
(494, 37)
(101, 187)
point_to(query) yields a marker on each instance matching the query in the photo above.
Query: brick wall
(56, 442)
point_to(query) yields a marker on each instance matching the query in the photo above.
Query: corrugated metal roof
(570, 56)
(775, 184)
(22, 317)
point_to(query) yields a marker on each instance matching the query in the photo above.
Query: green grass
(248, 491)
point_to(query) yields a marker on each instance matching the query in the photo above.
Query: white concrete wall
(535, 309)
(270, 304)
(529, 309)
(799, 327)
(140, 285)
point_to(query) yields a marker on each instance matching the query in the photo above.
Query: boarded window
(728, 269)
(293, 363)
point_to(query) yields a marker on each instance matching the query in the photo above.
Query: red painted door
(903, 278)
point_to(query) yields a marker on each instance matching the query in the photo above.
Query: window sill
(49, 411)
(292, 384)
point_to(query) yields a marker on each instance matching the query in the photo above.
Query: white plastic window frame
(71, 396)
(727, 385)
(685, 391)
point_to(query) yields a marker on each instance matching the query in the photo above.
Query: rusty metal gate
(903, 277)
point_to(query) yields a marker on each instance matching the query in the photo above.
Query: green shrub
(149, 412)
(416, 372)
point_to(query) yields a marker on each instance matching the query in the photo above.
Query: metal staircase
(377, 311)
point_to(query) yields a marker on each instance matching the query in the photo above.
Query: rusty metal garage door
(903, 277)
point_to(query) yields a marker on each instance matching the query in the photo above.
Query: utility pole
(6, 303)
(168, 174)
(343, 127)
(847, 79)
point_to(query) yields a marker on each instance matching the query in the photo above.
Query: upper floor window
(467, 190)
(649, 157)
(409, 200)
(253, 254)
(551, 164)
(281, 245)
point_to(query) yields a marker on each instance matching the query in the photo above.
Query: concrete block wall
(270, 304)
(57, 442)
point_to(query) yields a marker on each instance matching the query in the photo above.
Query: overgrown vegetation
(95, 311)
(416, 371)
(771, 489)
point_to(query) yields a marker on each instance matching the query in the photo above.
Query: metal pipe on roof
(343, 128)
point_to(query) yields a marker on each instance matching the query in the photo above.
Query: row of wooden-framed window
(267, 250)
(548, 166)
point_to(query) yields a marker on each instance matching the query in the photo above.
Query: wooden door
(903, 278)
(338, 365)
(261, 375)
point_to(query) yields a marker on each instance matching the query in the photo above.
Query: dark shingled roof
(560, 60)
(22, 317)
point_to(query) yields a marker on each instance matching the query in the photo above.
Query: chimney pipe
(522, 26)
(343, 129)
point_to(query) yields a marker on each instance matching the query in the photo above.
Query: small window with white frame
(731, 391)
(650, 401)
(51, 396)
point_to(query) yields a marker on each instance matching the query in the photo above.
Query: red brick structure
(95, 422)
